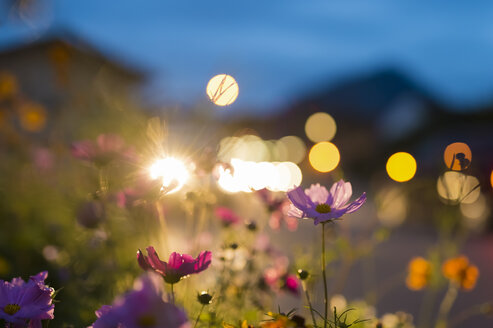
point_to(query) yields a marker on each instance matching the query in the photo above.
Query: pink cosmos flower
(22, 301)
(227, 216)
(106, 148)
(291, 284)
(322, 205)
(178, 265)
(141, 307)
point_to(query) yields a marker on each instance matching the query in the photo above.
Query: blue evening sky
(279, 49)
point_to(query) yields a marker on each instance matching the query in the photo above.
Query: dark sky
(279, 49)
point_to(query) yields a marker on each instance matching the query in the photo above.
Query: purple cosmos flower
(227, 216)
(22, 302)
(106, 148)
(178, 265)
(322, 205)
(143, 307)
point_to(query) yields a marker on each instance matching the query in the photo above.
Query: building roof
(77, 43)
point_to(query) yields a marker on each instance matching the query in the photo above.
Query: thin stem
(446, 305)
(103, 182)
(326, 301)
(198, 317)
(303, 284)
(172, 294)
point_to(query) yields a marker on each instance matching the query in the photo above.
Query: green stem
(172, 294)
(303, 284)
(326, 301)
(198, 317)
(103, 182)
(446, 305)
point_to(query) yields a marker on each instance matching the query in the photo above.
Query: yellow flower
(458, 270)
(419, 273)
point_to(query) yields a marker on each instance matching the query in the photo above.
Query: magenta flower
(227, 216)
(106, 148)
(142, 307)
(291, 284)
(178, 265)
(22, 302)
(321, 205)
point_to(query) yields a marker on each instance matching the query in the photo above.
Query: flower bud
(303, 274)
(251, 225)
(90, 214)
(204, 298)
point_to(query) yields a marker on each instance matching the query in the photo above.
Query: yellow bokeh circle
(324, 156)
(222, 90)
(401, 167)
(32, 117)
(320, 127)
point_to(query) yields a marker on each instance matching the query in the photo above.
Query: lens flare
(401, 167)
(172, 171)
(324, 156)
(222, 90)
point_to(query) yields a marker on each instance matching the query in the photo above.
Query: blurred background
(360, 80)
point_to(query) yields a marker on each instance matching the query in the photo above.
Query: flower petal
(317, 193)
(354, 206)
(175, 260)
(341, 192)
(299, 199)
(334, 214)
(154, 261)
(295, 212)
(142, 260)
(202, 261)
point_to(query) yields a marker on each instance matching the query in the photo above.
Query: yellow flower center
(11, 309)
(323, 208)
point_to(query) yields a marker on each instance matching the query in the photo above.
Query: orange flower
(458, 270)
(419, 273)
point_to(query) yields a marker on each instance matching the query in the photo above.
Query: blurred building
(383, 112)
(42, 77)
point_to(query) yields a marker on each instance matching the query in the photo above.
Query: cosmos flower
(419, 273)
(178, 265)
(459, 271)
(142, 307)
(22, 301)
(227, 216)
(106, 148)
(291, 284)
(321, 205)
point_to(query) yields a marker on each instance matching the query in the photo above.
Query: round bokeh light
(222, 90)
(320, 127)
(457, 156)
(401, 167)
(324, 156)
